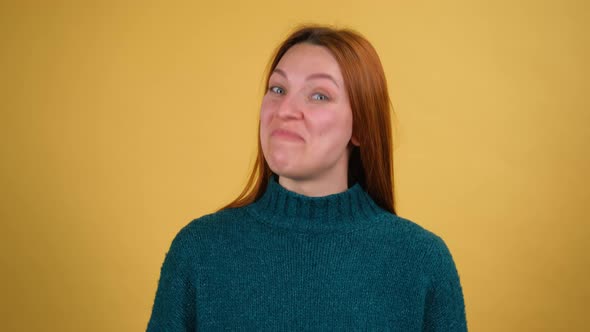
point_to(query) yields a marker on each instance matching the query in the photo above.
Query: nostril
(288, 108)
(287, 111)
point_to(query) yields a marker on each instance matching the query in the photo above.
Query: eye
(277, 90)
(319, 96)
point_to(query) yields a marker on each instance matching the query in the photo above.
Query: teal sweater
(289, 262)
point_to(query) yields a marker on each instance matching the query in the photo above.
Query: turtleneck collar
(341, 212)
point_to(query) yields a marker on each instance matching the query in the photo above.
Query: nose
(289, 108)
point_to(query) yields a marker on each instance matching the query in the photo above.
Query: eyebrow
(312, 76)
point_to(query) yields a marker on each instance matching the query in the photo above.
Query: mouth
(286, 134)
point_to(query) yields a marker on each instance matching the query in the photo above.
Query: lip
(286, 134)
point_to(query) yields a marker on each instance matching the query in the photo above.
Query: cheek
(266, 113)
(334, 128)
(266, 110)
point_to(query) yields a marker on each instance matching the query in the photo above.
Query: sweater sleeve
(174, 305)
(445, 306)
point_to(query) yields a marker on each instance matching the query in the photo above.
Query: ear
(355, 141)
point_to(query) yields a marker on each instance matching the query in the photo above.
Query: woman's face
(305, 118)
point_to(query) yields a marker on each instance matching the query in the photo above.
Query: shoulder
(406, 229)
(207, 226)
(429, 246)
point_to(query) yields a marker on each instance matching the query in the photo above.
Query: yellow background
(121, 122)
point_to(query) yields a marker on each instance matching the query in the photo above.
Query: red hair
(371, 163)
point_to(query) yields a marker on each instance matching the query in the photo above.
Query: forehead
(305, 59)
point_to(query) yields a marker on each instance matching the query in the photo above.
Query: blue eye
(277, 90)
(319, 96)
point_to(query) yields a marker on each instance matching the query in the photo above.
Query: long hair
(371, 163)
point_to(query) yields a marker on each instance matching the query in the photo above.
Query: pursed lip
(286, 134)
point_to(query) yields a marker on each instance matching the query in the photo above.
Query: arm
(445, 307)
(174, 304)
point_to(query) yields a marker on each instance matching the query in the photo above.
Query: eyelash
(322, 97)
(274, 89)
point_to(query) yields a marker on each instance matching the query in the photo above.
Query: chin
(283, 171)
(287, 171)
(281, 163)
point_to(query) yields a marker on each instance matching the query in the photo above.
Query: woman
(313, 241)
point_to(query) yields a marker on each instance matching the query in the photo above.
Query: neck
(314, 187)
(345, 211)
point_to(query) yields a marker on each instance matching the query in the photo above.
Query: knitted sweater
(290, 262)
